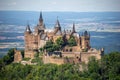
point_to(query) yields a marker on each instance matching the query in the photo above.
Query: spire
(28, 28)
(57, 23)
(40, 19)
(73, 28)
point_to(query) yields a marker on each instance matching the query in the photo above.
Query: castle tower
(27, 35)
(28, 43)
(85, 40)
(41, 26)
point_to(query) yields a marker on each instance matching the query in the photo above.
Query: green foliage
(108, 68)
(7, 59)
(110, 65)
(15, 72)
(51, 47)
(37, 60)
(60, 42)
(41, 49)
(36, 55)
(72, 41)
(26, 59)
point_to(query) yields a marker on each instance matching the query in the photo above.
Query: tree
(72, 41)
(41, 49)
(48, 46)
(60, 42)
(110, 66)
(11, 54)
(7, 59)
(51, 47)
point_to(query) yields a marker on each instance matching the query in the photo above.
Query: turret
(85, 33)
(85, 40)
(57, 28)
(57, 25)
(28, 29)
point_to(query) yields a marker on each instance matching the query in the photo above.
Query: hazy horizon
(61, 5)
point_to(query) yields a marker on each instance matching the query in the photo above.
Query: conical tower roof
(57, 23)
(40, 18)
(28, 28)
(73, 28)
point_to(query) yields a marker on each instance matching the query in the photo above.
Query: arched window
(66, 50)
(71, 50)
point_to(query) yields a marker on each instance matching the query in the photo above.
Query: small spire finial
(73, 28)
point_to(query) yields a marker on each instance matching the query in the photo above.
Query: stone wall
(86, 55)
(49, 59)
(72, 57)
(29, 54)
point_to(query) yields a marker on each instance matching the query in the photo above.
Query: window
(66, 50)
(71, 50)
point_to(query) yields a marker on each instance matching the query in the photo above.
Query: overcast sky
(61, 5)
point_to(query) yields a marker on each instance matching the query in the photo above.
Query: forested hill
(108, 68)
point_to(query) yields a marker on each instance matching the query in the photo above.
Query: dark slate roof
(43, 36)
(58, 32)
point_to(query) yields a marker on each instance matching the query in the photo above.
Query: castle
(77, 53)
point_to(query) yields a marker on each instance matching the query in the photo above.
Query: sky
(61, 5)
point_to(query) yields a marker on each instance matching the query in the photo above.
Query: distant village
(58, 46)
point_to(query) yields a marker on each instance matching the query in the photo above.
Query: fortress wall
(48, 59)
(85, 56)
(57, 61)
(68, 54)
